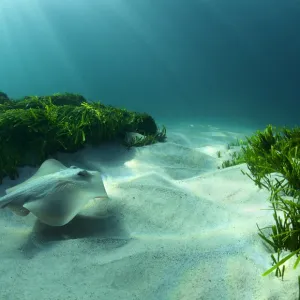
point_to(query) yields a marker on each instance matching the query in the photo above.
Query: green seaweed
(236, 159)
(34, 128)
(276, 151)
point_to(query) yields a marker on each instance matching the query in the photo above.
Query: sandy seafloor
(175, 227)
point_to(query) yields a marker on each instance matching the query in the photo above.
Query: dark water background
(234, 59)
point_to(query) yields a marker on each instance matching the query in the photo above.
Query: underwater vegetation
(141, 140)
(273, 159)
(35, 127)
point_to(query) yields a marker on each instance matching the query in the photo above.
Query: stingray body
(55, 194)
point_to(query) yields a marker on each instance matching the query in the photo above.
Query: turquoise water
(177, 226)
(218, 59)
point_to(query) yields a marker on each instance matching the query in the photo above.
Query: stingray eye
(73, 167)
(83, 173)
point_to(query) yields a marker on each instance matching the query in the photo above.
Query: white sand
(177, 228)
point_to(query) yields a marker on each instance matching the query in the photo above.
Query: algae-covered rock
(33, 128)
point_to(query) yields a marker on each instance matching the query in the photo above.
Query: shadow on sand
(107, 232)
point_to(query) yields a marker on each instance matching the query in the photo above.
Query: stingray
(55, 194)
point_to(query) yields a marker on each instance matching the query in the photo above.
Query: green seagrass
(33, 128)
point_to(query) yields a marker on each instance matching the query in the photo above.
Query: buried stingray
(55, 194)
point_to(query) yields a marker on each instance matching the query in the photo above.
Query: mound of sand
(176, 227)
